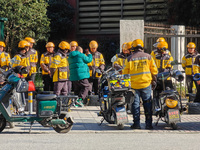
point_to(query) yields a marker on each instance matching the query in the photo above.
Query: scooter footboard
(121, 115)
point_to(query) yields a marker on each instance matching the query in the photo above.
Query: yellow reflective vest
(196, 66)
(60, 67)
(188, 62)
(141, 68)
(5, 61)
(97, 62)
(21, 60)
(45, 62)
(33, 58)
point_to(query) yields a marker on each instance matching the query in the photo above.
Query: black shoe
(149, 127)
(135, 126)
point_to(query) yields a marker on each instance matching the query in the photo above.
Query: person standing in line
(98, 62)
(60, 69)
(143, 71)
(33, 58)
(45, 63)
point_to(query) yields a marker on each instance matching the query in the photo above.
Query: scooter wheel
(2, 123)
(120, 126)
(63, 128)
(174, 126)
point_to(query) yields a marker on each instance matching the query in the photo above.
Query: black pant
(95, 84)
(189, 82)
(81, 88)
(48, 83)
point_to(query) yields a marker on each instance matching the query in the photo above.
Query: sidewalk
(87, 121)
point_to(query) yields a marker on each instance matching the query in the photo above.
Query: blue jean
(145, 94)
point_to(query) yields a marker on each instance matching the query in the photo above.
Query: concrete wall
(131, 30)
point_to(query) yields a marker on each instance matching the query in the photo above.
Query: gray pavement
(87, 121)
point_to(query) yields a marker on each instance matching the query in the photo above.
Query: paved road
(87, 134)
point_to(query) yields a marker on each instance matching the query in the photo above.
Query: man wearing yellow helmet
(33, 56)
(188, 63)
(155, 51)
(97, 62)
(21, 58)
(143, 72)
(121, 57)
(60, 70)
(45, 63)
(4, 60)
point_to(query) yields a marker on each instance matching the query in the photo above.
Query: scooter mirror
(113, 59)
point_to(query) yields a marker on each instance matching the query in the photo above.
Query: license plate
(121, 117)
(173, 115)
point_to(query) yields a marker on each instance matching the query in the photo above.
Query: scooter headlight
(171, 103)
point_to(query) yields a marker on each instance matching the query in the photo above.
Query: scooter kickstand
(156, 123)
(31, 127)
(101, 121)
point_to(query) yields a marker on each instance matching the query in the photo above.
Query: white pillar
(178, 45)
(131, 30)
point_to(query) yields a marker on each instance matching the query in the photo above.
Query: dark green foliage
(184, 12)
(25, 18)
(61, 14)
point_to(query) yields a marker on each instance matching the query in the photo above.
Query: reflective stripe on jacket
(97, 62)
(21, 60)
(45, 62)
(141, 68)
(33, 56)
(60, 67)
(120, 62)
(188, 62)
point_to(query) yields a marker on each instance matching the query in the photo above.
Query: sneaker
(149, 127)
(135, 126)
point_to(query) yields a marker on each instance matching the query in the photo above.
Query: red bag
(31, 86)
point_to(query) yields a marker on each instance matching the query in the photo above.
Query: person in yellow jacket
(98, 62)
(33, 58)
(4, 60)
(121, 57)
(155, 51)
(187, 64)
(21, 58)
(60, 69)
(45, 63)
(143, 71)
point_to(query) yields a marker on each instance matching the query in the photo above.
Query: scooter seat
(46, 97)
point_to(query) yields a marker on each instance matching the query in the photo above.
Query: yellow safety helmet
(73, 43)
(2, 44)
(124, 45)
(128, 45)
(160, 39)
(162, 45)
(191, 45)
(23, 44)
(64, 45)
(93, 44)
(50, 44)
(29, 39)
(137, 43)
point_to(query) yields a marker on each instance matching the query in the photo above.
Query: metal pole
(30, 102)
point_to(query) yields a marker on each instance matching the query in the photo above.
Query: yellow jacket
(120, 61)
(21, 60)
(141, 68)
(45, 62)
(5, 61)
(33, 58)
(188, 62)
(97, 62)
(155, 52)
(60, 67)
(163, 61)
(196, 66)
